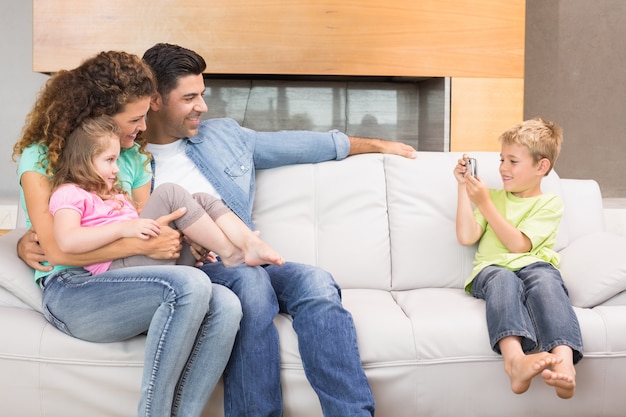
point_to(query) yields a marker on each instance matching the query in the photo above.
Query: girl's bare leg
(255, 250)
(208, 234)
(232, 240)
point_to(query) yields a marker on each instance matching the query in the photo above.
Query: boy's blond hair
(542, 138)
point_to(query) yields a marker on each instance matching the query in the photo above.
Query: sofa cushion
(7, 299)
(304, 220)
(422, 201)
(584, 211)
(594, 268)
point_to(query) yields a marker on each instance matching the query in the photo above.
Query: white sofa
(384, 226)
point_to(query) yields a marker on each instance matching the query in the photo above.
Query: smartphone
(471, 167)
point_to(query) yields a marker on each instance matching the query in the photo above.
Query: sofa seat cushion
(408, 328)
(67, 370)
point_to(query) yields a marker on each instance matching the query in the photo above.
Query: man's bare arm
(364, 145)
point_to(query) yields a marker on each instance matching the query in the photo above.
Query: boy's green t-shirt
(132, 175)
(537, 217)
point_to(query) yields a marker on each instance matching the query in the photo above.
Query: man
(220, 157)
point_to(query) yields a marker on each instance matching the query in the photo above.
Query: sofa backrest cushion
(375, 221)
(332, 214)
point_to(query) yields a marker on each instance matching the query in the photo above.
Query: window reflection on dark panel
(434, 115)
(227, 98)
(413, 111)
(384, 110)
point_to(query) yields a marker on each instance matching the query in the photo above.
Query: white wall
(19, 86)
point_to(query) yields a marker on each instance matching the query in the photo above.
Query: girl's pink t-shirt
(93, 210)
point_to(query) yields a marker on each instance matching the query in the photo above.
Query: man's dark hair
(170, 62)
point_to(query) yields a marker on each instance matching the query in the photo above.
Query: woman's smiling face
(132, 120)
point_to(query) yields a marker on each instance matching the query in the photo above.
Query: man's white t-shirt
(173, 165)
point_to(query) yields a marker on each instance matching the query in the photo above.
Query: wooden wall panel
(481, 109)
(455, 38)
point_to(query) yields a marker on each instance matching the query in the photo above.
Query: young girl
(91, 210)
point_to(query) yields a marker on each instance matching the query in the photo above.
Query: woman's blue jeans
(531, 303)
(191, 326)
(326, 339)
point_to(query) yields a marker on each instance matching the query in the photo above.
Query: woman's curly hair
(101, 85)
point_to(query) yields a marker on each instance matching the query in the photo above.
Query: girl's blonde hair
(75, 165)
(542, 138)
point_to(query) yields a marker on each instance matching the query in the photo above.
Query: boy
(530, 320)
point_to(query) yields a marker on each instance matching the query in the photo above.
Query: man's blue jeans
(326, 338)
(531, 303)
(190, 324)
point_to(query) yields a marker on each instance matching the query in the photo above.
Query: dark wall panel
(575, 75)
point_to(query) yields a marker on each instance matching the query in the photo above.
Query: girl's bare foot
(562, 377)
(523, 368)
(233, 259)
(257, 252)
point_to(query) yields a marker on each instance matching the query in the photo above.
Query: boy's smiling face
(520, 175)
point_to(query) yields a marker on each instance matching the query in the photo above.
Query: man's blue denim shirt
(228, 155)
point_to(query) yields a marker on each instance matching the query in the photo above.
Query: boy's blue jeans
(190, 324)
(531, 303)
(326, 339)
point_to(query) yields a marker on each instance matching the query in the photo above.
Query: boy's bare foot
(523, 368)
(561, 376)
(257, 252)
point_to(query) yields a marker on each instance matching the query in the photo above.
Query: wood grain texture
(456, 38)
(483, 108)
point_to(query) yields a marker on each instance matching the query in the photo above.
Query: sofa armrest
(615, 220)
(584, 214)
(15, 276)
(594, 268)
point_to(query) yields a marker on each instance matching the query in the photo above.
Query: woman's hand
(167, 245)
(29, 251)
(141, 228)
(169, 242)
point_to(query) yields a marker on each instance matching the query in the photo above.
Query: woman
(190, 324)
